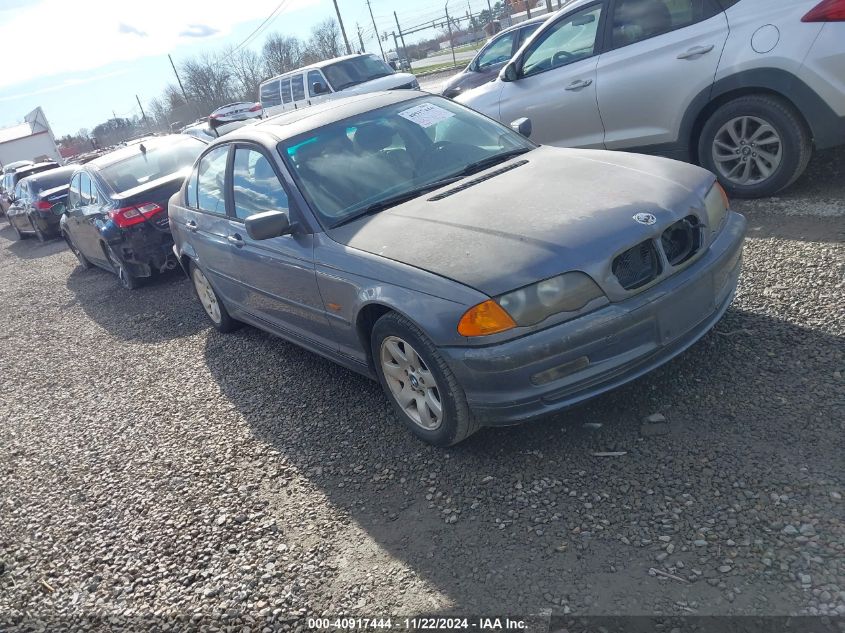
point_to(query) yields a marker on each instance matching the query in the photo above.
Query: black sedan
(34, 203)
(116, 214)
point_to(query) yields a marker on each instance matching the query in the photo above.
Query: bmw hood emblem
(645, 218)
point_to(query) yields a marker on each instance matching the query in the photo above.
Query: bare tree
(159, 113)
(208, 82)
(325, 41)
(247, 69)
(281, 53)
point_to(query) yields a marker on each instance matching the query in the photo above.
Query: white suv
(745, 88)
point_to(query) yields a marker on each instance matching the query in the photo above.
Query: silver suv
(746, 88)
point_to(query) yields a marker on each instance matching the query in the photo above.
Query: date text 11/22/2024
(416, 624)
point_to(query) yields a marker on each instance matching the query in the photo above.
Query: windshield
(354, 71)
(160, 159)
(351, 167)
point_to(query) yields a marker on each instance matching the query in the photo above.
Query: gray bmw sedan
(481, 279)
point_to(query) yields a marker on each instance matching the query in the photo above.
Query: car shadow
(151, 313)
(529, 502)
(29, 247)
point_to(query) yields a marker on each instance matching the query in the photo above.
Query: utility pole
(401, 37)
(175, 72)
(528, 9)
(342, 30)
(451, 41)
(143, 114)
(375, 29)
(360, 37)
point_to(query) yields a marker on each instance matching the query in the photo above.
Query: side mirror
(59, 208)
(509, 73)
(523, 126)
(318, 88)
(263, 226)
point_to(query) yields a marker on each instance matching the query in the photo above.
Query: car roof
(35, 168)
(289, 124)
(69, 169)
(318, 65)
(132, 149)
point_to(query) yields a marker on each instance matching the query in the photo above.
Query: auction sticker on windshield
(426, 114)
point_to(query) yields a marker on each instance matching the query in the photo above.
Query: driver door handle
(236, 240)
(191, 226)
(696, 51)
(579, 83)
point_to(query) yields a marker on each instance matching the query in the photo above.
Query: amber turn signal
(485, 318)
(724, 194)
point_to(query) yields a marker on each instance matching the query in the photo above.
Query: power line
(252, 35)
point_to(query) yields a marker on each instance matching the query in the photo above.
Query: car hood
(390, 82)
(558, 210)
(469, 79)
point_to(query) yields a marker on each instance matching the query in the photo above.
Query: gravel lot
(156, 473)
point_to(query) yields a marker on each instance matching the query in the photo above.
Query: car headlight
(716, 204)
(535, 303)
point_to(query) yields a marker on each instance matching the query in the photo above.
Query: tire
(456, 423)
(39, 234)
(212, 305)
(20, 236)
(84, 264)
(126, 278)
(766, 118)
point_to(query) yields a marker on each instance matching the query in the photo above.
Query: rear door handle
(191, 225)
(696, 51)
(236, 240)
(579, 83)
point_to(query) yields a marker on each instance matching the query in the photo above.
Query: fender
(826, 127)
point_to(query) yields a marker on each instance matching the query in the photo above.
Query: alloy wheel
(747, 150)
(206, 294)
(411, 383)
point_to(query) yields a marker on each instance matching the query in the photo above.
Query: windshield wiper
(399, 198)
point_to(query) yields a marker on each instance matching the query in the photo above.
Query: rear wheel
(419, 384)
(83, 261)
(38, 232)
(211, 303)
(126, 278)
(756, 145)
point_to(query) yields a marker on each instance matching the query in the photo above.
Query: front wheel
(756, 145)
(419, 384)
(211, 303)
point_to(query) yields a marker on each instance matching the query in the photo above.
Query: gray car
(483, 280)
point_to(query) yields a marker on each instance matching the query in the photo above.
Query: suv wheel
(211, 303)
(423, 390)
(756, 145)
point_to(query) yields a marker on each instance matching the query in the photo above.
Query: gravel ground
(155, 474)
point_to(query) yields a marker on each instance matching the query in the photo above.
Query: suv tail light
(129, 216)
(827, 11)
(43, 205)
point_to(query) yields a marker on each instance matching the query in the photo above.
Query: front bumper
(565, 364)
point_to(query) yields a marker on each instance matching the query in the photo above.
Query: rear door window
(210, 182)
(637, 20)
(297, 87)
(286, 91)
